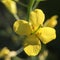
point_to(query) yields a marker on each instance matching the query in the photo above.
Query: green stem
(19, 50)
(22, 48)
(30, 8)
(16, 17)
(22, 4)
(36, 4)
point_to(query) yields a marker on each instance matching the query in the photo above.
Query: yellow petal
(32, 45)
(4, 52)
(11, 5)
(52, 22)
(22, 27)
(46, 34)
(37, 17)
(33, 20)
(40, 16)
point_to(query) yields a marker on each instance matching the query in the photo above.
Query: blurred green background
(9, 38)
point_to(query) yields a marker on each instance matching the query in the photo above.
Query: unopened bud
(52, 22)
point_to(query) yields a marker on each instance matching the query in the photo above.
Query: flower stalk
(20, 3)
(16, 16)
(19, 50)
(30, 8)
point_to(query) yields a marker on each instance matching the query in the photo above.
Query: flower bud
(11, 5)
(52, 22)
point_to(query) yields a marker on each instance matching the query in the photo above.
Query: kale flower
(36, 31)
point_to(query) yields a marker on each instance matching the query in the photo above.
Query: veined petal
(22, 27)
(52, 22)
(37, 17)
(46, 34)
(32, 45)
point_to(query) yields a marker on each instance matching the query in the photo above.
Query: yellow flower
(7, 54)
(11, 5)
(4, 52)
(35, 31)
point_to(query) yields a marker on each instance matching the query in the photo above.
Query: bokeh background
(9, 38)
